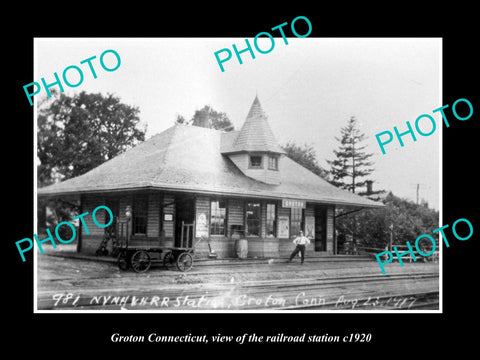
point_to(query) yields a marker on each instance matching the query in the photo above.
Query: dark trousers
(298, 248)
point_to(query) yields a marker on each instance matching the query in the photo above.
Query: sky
(309, 89)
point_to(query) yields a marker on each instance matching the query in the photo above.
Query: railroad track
(202, 270)
(356, 292)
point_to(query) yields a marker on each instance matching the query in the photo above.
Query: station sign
(288, 203)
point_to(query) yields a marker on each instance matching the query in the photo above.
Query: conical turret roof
(256, 134)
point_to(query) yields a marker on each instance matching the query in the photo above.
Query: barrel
(241, 248)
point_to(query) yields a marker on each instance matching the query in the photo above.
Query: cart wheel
(168, 260)
(184, 261)
(122, 261)
(140, 261)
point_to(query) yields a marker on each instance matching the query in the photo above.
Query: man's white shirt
(301, 240)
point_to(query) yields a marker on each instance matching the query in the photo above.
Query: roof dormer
(254, 149)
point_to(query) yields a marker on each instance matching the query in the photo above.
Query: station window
(295, 221)
(140, 205)
(253, 219)
(256, 161)
(272, 163)
(271, 221)
(218, 212)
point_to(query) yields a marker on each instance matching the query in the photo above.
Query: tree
(400, 219)
(77, 133)
(208, 117)
(306, 157)
(349, 171)
(351, 166)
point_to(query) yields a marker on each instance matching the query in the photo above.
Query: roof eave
(208, 192)
(242, 151)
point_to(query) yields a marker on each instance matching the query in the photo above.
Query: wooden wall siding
(258, 174)
(166, 238)
(236, 214)
(153, 221)
(271, 248)
(90, 243)
(309, 211)
(169, 226)
(263, 247)
(330, 228)
(285, 247)
(272, 176)
(144, 241)
(263, 220)
(255, 247)
(89, 204)
(223, 247)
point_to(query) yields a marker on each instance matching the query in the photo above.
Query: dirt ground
(57, 267)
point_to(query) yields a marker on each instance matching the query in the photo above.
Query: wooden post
(80, 226)
(181, 236)
(127, 233)
(390, 242)
(193, 232)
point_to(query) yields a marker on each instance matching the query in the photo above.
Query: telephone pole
(417, 185)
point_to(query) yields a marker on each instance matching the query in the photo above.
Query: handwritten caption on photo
(228, 302)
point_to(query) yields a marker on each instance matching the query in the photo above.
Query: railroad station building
(193, 183)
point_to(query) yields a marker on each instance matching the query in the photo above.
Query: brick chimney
(369, 187)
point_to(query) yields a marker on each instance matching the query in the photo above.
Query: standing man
(301, 241)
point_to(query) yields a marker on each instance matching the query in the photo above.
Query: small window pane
(271, 221)
(140, 205)
(272, 163)
(296, 221)
(218, 211)
(256, 161)
(253, 219)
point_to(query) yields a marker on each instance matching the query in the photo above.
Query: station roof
(189, 159)
(255, 134)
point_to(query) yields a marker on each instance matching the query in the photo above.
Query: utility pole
(390, 243)
(417, 185)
